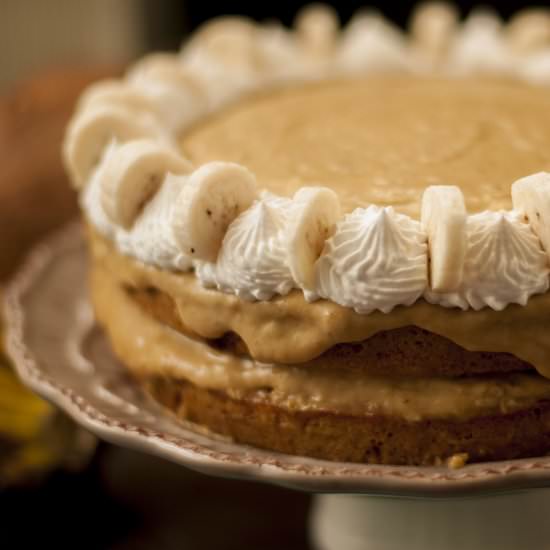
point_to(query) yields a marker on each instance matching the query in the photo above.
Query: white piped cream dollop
(151, 238)
(504, 264)
(376, 260)
(480, 47)
(370, 43)
(252, 262)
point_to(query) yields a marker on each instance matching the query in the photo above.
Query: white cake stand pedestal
(509, 521)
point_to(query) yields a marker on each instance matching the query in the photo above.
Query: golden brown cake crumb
(458, 460)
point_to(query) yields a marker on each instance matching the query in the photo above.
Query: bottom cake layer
(365, 438)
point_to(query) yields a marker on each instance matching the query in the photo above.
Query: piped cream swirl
(252, 262)
(376, 260)
(504, 264)
(152, 236)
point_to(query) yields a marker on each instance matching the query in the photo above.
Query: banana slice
(315, 213)
(529, 30)
(90, 132)
(132, 174)
(444, 220)
(214, 196)
(318, 28)
(231, 40)
(531, 197)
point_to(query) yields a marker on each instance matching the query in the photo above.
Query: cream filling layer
(148, 347)
(309, 329)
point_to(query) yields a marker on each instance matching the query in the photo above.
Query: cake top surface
(363, 166)
(383, 140)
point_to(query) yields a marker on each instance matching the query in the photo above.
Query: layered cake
(331, 242)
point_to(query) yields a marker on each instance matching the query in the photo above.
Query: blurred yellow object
(34, 437)
(21, 413)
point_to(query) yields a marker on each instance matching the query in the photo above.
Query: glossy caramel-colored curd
(290, 330)
(383, 140)
(148, 347)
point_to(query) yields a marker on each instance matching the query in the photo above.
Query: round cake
(331, 242)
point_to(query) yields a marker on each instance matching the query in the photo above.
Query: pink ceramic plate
(61, 354)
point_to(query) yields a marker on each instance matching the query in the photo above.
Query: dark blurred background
(38, 33)
(59, 487)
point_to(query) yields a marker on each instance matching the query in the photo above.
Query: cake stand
(61, 354)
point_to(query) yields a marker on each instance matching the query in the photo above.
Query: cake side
(323, 411)
(444, 341)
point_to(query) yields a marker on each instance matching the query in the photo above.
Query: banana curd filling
(153, 348)
(309, 329)
(366, 167)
